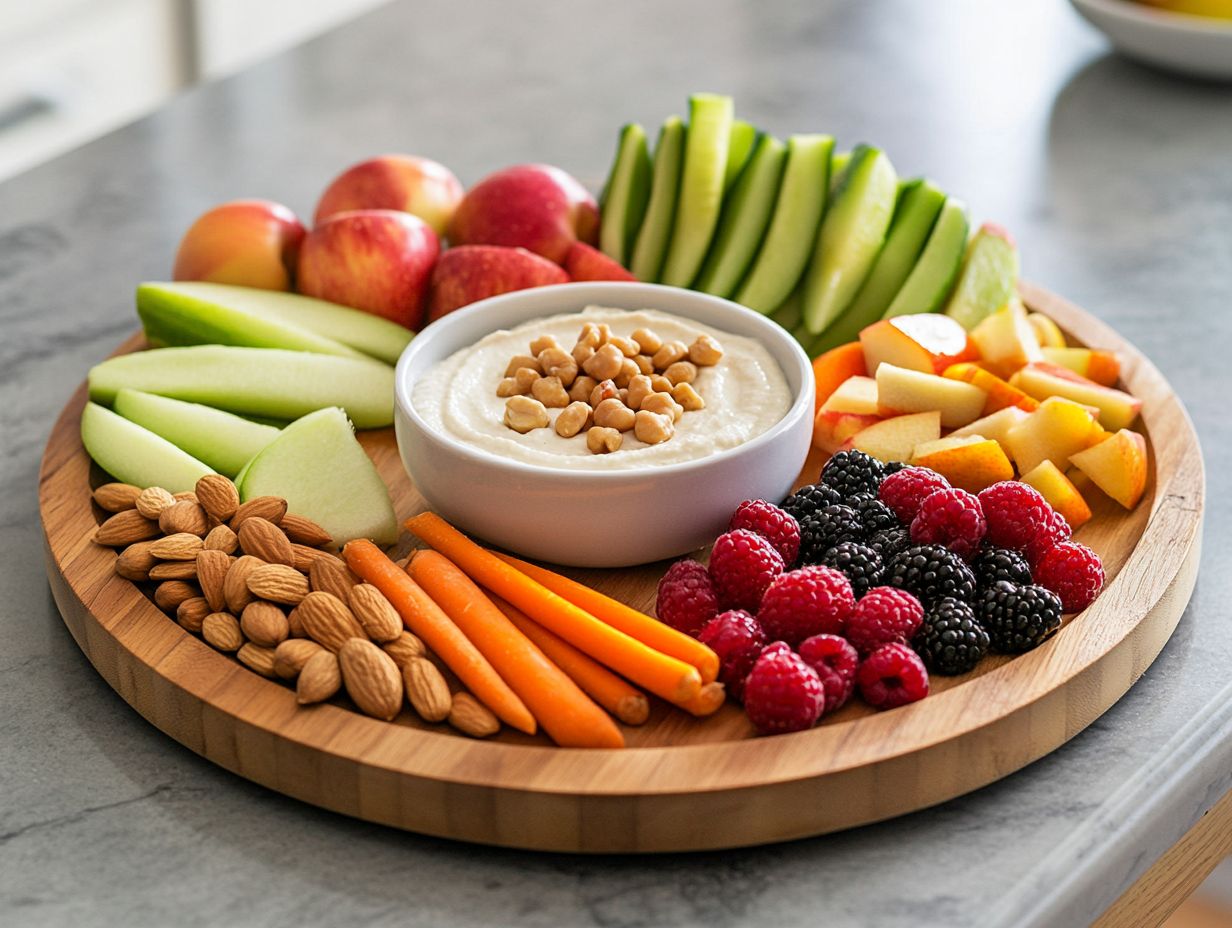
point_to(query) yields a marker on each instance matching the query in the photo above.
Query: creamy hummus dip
(745, 394)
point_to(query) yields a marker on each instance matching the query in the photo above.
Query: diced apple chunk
(1118, 466)
(926, 342)
(968, 462)
(831, 369)
(1006, 340)
(1117, 409)
(855, 395)
(1060, 493)
(832, 429)
(1000, 393)
(1053, 432)
(1102, 367)
(903, 391)
(1047, 332)
(895, 439)
(996, 426)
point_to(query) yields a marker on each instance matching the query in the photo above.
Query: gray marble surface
(1115, 181)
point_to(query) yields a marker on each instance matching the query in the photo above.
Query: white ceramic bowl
(1200, 46)
(609, 518)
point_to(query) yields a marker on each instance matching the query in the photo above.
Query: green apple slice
(623, 204)
(851, 236)
(650, 247)
(929, 282)
(746, 214)
(701, 187)
(253, 381)
(789, 240)
(739, 148)
(318, 467)
(224, 441)
(135, 455)
(988, 279)
(838, 165)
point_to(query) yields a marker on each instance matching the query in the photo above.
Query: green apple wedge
(223, 440)
(929, 282)
(650, 246)
(851, 236)
(989, 277)
(199, 313)
(746, 214)
(323, 473)
(253, 381)
(132, 454)
(623, 204)
(744, 136)
(798, 209)
(838, 164)
(701, 187)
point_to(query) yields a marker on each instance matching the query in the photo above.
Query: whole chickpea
(572, 419)
(605, 363)
(582, 387)
(589, 336)
(705, 351)
(653, 428)
(604, 391)
(648, 340)
(688, 398)
(555, 362)
(628, 347)
(522, 360)
(663, 404)
(525, 379)
(668, 354)
(613, 414)
(550, 392)
(628, 370)
(644, 364)
(681, 372)
(639, 388)
(602, 440)
(542, 344)
(522, 414)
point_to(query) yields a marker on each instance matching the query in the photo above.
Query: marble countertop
(1115, 181)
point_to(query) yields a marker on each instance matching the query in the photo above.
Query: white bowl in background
(1199, 46)
(611, 518)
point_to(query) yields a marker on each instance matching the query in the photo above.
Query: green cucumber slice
(623, 204)
(929, 282)
(739, 147)
(650, 246)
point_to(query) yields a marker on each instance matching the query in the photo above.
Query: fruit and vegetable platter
(754, 499)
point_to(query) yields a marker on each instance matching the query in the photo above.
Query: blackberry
(853, 473)
(894, 467)
(807, 500)
(875, 515)
(931, 572)
(826, 528)
(993, 564)
(889, 541)
(951, 641)
(859, 562)
(1018, 618)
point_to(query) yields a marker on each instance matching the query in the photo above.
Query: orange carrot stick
(425, 618)
(664, 676)
(650, 632)
(613, 693)
(707, 700)
(567, 714)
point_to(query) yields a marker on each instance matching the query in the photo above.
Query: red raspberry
(1055, 531)
(686, 599)
(835, 661)
(1074, 572)
(813, 600)
(782, 693)
(952, 518)
(884, 615)
(1015, 513)
(892, 676)
(738, 639)
(905, 490)
(742, 565)
(771, 523)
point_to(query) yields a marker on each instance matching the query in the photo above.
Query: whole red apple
(420, 186)
(249, 243)
(470, 273)
(377, 260)
(532, 206)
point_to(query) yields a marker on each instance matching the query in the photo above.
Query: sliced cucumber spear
(788, 312)
(929, 282)
(988, 279)
(739, 147)
(701, 187)
(650, 246)
(838, 164)
(623, 204)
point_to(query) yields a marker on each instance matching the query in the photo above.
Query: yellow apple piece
(895, 439)
(1059, 491)
(1000, 393)
(996, 427)
(832, 429)
(1059, 428)
(1117, 409)
(926, 342)
(1006, 340)
(1103, 367)
(1047, 332)
(855, 395)
(1117, 466)
(902, 391)
(969, 462)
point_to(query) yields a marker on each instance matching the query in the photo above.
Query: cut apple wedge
(323, 473)
(135, 455)
(1117, 409)
(1000, 394)
(834, 367)
(988, 278)
(969, 462)
(855, 395)
(1053, 432)
(903, 391)
(1102, 367)
(1118, 466)
(1047, 332)
(924, 342)
(831, 430)
(895, 439)
(996, 426)
(1006, 340)
(1060, 493)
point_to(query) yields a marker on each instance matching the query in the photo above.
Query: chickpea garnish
(668, 354)
(602, 440)
(542, 344)
(572, 419)
(647, 340)
(603, 391)
(705, 351)
(582, 388)
(522, 414)
(652, 428)
(605, 363)
(688, 398)
(681, 372)
(522, 360)
(614, 414)
(555, 362)
(663, 404)
(550, 392)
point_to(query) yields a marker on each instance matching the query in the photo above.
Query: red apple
(377, 260)
(249, 243)
(586, 263)
(470, 273)
(419, 186)
(532, 206)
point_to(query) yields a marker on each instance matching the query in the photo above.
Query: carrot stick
(567, 714)
(707, 700)
(425, 618)
(650, 632)
(664, 676)
(613, 693)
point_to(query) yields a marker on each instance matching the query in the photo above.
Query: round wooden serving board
(683, 783)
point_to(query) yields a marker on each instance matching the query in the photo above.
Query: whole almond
(469, 716)
(379, 619)
(181, 546)
(116, 497)
(319, 678)
(235, 587)
(278, 583)
(291, 655)
(332, 576)
(184, 516)
(222, 630)
(135, 561)
(371, 678)
(403, 648)
(222, 538)
(191, 614)
(295, 624)
(153, 500)
(257, 658)
(303, 530)
(174, 570)
(217, 496)
(328, 621)
(212, 570)
(188, 495)
(426, 689)
(262, 538)
(170, 593)
(124, 528)
(270, 508)
(264, 624)
(305, 556)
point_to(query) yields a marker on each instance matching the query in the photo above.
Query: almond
(270, 508)
(222, 538)
(278, 583)
(188, 495)
(212, 570)
(217, 496)
(235, 587)
(124, 528)
(184, 516)
(257, 658)
(328, 621)
(116, 497)
(371, 678)
(222, 631)
(135, 561)
(295, 624)
(426, 689)
(403, 648)
(181, 546)
(291, 655)
(262, 538)
(170, 593)
(264, 624)
(303, 530)
(471, 717)
(319, 678)
(191, 613)
(174, 570)
(332, 576)
(305, 556)
(152, 502)
(379, 619)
